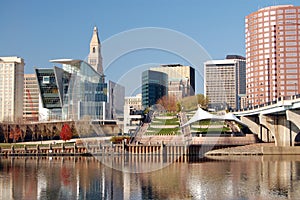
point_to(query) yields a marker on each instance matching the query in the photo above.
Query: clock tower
(95, 58)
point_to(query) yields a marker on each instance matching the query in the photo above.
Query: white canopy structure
(232, 117)
(202, 115)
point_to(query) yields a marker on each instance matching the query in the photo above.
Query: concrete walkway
(62, 141)
(252, 149)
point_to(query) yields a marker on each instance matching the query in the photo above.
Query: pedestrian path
(252, 149)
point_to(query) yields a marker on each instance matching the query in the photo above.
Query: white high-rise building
(95, 58)
(225, 80)
(11, 88)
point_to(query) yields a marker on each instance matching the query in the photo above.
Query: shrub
(66, 133)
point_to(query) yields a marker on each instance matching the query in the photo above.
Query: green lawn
(173, 121)
(208, 122)
(224, 129)
(164, 131)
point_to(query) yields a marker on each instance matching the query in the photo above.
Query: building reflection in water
(87, 178)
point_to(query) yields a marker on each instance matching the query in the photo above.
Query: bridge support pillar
(265, 135)
(279, 127)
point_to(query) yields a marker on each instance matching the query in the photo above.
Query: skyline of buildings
(77, 89)
(269, 72)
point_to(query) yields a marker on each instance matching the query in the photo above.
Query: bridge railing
(278, 100)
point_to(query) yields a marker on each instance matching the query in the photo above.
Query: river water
(249, 177)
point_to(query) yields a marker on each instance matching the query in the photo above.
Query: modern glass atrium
(76, 88)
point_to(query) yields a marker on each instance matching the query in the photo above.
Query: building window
(46, 79)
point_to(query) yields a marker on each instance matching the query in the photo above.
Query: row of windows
(266, 62)
(6, 65)
(272, 26)
(266, 55)
(272, 12)
(267, 94)
(279, 55)
(290, 41)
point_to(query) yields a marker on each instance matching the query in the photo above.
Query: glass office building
(76, 88)
(154, 86)
(181, 79)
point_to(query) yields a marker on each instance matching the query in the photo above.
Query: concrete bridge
(49, 130)
(277, 121)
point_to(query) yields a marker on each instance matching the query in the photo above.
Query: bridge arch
(263, 133)
(293, 117)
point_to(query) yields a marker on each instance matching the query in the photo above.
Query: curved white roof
(202, 115)
(66, 61)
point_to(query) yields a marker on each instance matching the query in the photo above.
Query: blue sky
(42, 30)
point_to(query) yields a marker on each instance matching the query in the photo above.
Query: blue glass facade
(154, 86)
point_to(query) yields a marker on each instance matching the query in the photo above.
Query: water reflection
(86, 178)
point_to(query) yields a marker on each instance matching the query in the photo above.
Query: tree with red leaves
(168, 103)
(66, 133)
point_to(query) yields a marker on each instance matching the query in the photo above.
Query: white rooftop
(12, 59)
(218, 62)
(275, 7)
(66, 61)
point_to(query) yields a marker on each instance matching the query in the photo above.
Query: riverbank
(94, 147)
(251, 149)
(255, 149)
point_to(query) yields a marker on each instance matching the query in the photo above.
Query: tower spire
(95, 39)
(95, 58)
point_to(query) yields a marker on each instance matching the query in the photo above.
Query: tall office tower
(272, 53)
(181, 79)
(31, 98)
(225, 81)
(154, 86)
(95, 58)
(11, 88)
